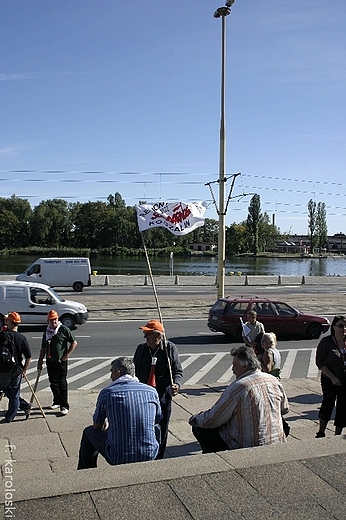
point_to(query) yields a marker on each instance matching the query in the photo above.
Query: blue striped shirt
(132, 410)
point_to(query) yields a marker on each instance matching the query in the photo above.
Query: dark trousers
(332, 394)
(12, 392)
(166, 409)
(92, 443)
(209, 439)
(57, 374)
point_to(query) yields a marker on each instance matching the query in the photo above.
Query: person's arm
(177, 369)
(218, 414)
(42, 353)
(267, 361)
(69, 351)
(321, 356)
(247, 340)
(325, 371)
(26, 366)
(284, 404)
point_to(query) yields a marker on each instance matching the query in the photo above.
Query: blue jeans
(12, 393)
(92, 443)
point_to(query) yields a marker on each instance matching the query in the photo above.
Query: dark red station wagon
(276, 316)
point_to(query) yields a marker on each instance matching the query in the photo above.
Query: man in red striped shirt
(248, 413)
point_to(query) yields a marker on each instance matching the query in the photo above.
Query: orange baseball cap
(14, 317)
(153, 325)
(52, 315)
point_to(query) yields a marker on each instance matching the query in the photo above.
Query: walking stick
(35, 385)
(34, 390)
(34, 396)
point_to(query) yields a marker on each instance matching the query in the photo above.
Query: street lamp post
(222, 12)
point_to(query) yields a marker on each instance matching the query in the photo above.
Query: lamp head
(222, 11)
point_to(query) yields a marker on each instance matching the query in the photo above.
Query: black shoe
(319, 435)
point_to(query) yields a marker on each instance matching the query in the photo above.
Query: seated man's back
(132, 410)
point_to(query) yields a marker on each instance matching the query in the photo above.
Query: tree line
(110, 228)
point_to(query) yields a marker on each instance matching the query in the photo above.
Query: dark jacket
(142, 361)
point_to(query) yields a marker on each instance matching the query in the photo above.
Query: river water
(195, 265)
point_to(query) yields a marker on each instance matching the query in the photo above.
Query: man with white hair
(248, 413)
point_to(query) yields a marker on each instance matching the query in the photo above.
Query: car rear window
(219, 306)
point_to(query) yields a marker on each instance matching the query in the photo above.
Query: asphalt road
(205, 355)
(115, 314)
(111, 339)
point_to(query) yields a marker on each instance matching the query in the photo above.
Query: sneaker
(63, 411)
(55, 406)
(319, 435)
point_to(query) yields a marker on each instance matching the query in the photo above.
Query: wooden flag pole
(158, 310)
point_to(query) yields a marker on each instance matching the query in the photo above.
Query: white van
(59, 272)
(33, 301)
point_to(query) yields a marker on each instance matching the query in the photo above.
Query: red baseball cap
(153, 325)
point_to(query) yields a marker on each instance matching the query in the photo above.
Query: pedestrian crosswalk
(92, 373)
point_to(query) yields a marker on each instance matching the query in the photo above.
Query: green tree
(51, 224)
(268, 233)
(312, 223)
(321, 225)
(253, 221)
(236, 238)
(15, 214)
(92, 225)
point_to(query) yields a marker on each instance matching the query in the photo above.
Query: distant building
(301, 244)
(202, 246)
(291, 247)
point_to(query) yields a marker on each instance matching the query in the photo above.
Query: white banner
(179, 218)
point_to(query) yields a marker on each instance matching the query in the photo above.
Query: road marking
(198, 376)
(90, 371)
(211, 370)
(189, 360)
(286, 370)
(313, 370)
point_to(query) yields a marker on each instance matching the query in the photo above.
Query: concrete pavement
(302, 479)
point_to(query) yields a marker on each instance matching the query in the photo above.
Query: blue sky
(111, 95)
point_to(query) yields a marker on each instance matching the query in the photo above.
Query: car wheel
(78, 286)
(314, 331)
(68, 321)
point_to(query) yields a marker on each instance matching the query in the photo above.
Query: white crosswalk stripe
(313, 370)
(199, 368)
(286, 369)
(202, 372)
